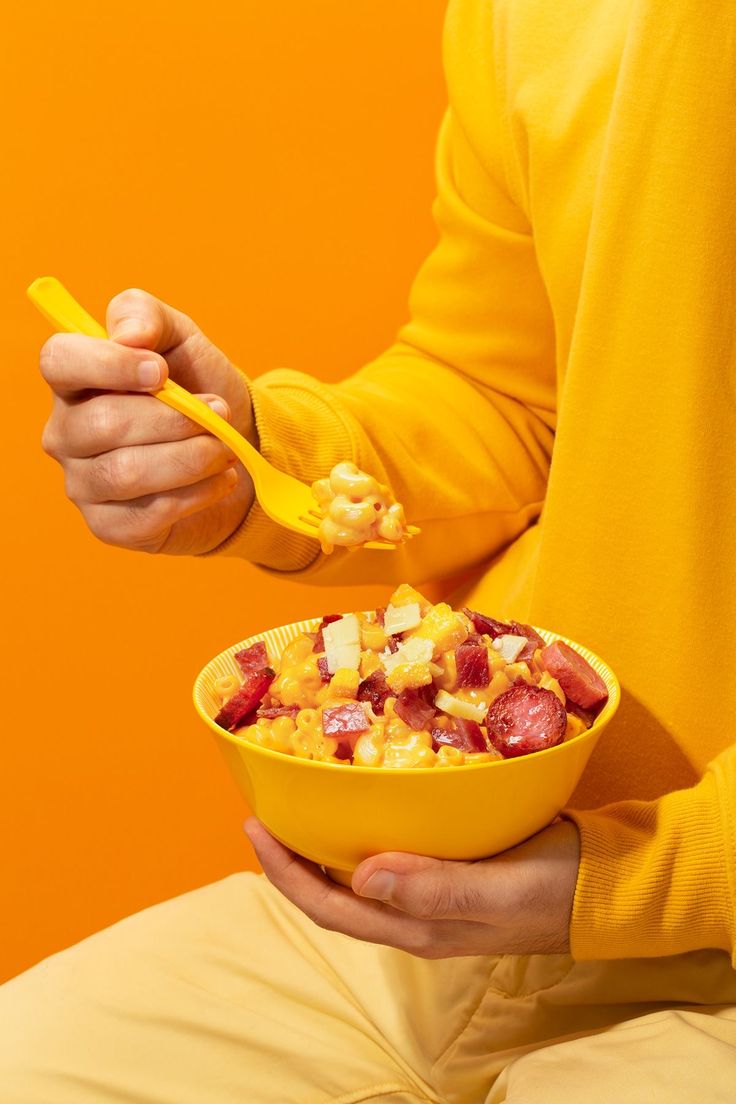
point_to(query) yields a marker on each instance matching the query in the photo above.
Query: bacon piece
(324, 673)
(472, 665)
(465, 735)
(416, 707)
(319, 640)
(345, 721)
(582, 685)
(245, 700)
(252, 659)
(392, 644)
(526, 719)
(488, 625)
(380, 614)
(375, 690)
(271, 711)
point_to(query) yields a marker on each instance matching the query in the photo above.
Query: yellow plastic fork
(286, 500)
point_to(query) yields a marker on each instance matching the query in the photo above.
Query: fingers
(127, 473)
(334, 907)
(144, 524)
(137, 318)
(72, 364)
(430, 889)
(110, 421)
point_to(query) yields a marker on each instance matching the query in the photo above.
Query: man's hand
(519, 902)
(144, 476)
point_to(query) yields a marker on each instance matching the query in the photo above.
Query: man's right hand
(144, 476)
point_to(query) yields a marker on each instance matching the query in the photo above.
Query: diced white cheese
(456, 707)
(401, 618)
(343, 655)
(511, 646)
(342, 643)
(344, 631)
(415, 650)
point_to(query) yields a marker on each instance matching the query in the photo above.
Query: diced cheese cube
(409, 675)
(344, 683)
(344, 631)
(411, 651)
(406, 595)
(445, 628)
(400, 618)
(342, 643)
(469, 711)
(510, 646)
(343, 655)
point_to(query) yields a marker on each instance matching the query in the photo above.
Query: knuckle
(130, 297)
(50, 357)
(194, 456)
(432, 901)
(117, 474)
(51, 439)
(104, 425)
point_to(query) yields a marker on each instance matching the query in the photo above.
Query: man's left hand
(519, 902)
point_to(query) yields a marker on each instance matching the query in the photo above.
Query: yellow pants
(229, 994)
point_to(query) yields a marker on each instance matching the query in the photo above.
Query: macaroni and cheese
(356, 508)
(411, 685)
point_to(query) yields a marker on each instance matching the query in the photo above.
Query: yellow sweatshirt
(559, 415)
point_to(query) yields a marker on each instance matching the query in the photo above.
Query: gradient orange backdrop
(266, 167)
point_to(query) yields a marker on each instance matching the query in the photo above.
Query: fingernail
(149, 373)
(231, 476)
(379, 886)
(131, 327)
(219, 407)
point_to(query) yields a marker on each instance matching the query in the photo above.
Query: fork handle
(62, 310)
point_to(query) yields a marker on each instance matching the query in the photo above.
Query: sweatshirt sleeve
(659, 878)
(457, 416)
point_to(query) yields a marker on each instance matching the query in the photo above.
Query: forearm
(659, 878)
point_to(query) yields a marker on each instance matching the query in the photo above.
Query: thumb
(430, 889)
(138, 319)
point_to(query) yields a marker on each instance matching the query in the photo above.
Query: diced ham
(375, 690)
(471, 661)
(323, 669)
(415, 707)
(252, 659)
(465, 735)
(526, 719)
(487, 625)
(581, 684)
(346, 721)
(245, 700)
(319, 642)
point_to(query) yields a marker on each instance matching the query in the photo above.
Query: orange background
(266, 168)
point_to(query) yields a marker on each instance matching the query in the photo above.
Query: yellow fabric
(558, 415)
(230, 995)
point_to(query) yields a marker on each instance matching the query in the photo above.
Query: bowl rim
(309, 624)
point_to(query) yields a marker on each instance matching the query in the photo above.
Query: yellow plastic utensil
(286, 500)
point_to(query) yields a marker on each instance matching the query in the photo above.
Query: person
(558, 415)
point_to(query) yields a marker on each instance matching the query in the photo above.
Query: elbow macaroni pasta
(356, 509)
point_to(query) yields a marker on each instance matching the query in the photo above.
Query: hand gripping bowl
(339, 815)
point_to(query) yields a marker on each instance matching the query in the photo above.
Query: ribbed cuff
(656, 878)
(302, 433)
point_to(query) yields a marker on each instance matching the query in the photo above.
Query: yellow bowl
(339, 815)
